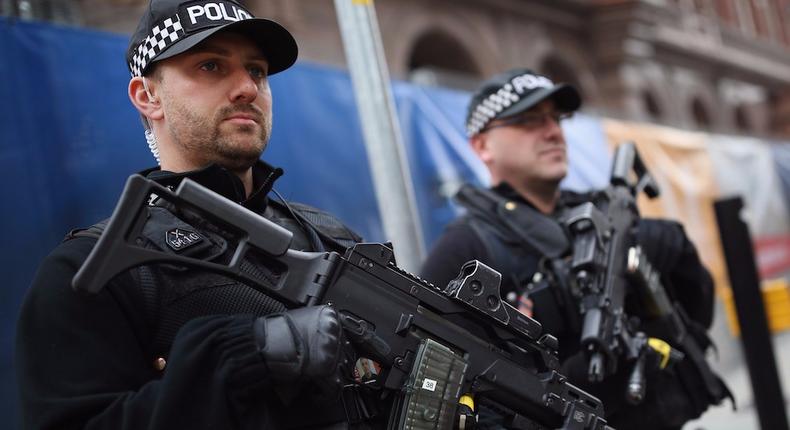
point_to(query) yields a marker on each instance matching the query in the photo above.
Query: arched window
(700, 113)
(439, 59)
(741, 117)
(44, 10)
(560, 71)
(651, 105)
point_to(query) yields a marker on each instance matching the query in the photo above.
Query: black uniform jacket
(665, 243)
(110, 361)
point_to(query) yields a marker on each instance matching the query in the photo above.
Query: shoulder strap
(93, 231)
(329, 228)
(526, 223)
(495, 249)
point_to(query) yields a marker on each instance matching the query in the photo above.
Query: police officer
(514, 126)
(161, 347)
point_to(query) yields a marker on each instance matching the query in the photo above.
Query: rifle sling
(530, 225)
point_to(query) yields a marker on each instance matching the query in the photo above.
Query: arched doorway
(560, 71)
(438, 59)
(652, 107)
(701, 114)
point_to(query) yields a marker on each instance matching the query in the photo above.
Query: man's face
(528, 148)
(217, 102)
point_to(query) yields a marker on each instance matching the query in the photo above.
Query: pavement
(731, 365)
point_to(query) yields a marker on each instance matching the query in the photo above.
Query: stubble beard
(211, 140)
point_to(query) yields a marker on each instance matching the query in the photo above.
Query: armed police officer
(514, 126)
(164, 347)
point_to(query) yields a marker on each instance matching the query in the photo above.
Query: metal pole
(383, 142)
(755, 334)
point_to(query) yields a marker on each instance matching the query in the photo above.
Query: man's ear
(479, 143)
(142, 93)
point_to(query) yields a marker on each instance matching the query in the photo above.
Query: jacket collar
(505, 190)
(224, 182)
(567, 198)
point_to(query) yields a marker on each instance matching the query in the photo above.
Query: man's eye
(532, 119)
(257, 72)
(209, 66)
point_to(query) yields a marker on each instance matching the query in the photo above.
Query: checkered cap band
(509, 94)
(161, 36)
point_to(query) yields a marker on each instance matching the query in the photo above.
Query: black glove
(301, 344)
(664, 242)
(612, 390)
(671, 252)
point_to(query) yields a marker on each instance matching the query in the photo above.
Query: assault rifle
(434, 344)
(605, 262)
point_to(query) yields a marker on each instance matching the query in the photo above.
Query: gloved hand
(301, 344)
(612, 390)
(671, 252)
(664, 242)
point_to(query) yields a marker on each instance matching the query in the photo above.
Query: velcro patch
(200, 14)
(180, 239)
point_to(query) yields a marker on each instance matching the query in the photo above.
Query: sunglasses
(529, 120)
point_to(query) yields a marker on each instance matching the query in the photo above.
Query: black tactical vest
(518, 238)
(175, 295)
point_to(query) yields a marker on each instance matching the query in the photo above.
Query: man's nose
(244, 89)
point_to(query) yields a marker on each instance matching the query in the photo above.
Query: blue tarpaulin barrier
(69, 138)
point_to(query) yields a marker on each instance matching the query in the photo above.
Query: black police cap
(513, 92)
(170, 27)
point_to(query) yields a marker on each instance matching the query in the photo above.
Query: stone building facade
(714, 65)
